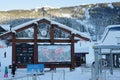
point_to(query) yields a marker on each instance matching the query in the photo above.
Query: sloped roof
(2, 30)
(110, 28)
(5, 27)
(51, 22)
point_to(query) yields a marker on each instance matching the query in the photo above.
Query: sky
(30, 4)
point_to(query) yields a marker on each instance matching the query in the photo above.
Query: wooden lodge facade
(26, 45)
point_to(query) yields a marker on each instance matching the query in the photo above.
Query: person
(93, 64)
(13, 67)
(4, 54)
(0, 66)
(6, 72)
(34, 77)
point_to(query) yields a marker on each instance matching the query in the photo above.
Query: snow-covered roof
(25, 24)
(71, 29)
(45, 38)
(111, 26)
(5, 27)
(110, 35)
(51, 22)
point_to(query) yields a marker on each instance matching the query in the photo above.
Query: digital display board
(54, 53)
(24, 54)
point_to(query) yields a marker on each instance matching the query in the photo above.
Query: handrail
(21, 77)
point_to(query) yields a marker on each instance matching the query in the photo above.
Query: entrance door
(80, 59)
(116, 60)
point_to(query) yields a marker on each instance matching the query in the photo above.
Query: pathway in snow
(59, 74)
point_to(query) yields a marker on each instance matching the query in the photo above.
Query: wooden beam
(63, 29)
(43, 40)
(84, 38)
(13, 48)
(25, 27)
(44, 21)
(35, 45)
(18, 30)
(72, 52)
(52, 34)
(5, 35)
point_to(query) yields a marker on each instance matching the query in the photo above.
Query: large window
(54, 53)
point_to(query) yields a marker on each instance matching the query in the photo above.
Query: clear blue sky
(30, 4)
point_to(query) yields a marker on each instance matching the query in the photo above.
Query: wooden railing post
(72, 52)
(35, 45)
(13, 48)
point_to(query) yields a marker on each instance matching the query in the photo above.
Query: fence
(58, 75)
(26, 77)
(115, 76)
(85, 69)
(51, 75)
(105, 75)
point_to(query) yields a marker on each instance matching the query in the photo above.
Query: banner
(35, 68)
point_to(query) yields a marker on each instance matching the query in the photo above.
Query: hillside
(92, 18)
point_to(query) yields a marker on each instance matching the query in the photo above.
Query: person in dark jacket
(4, 54)
(0, 66)
(13, 67)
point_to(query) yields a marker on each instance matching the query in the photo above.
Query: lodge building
(37, 41)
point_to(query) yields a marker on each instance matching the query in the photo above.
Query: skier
(0, 66)
(6, 72)
(13, 67)
(4, 54)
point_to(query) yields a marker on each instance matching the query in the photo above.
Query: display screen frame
(58, 49)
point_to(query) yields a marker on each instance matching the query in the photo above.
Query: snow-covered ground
(59, 74)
